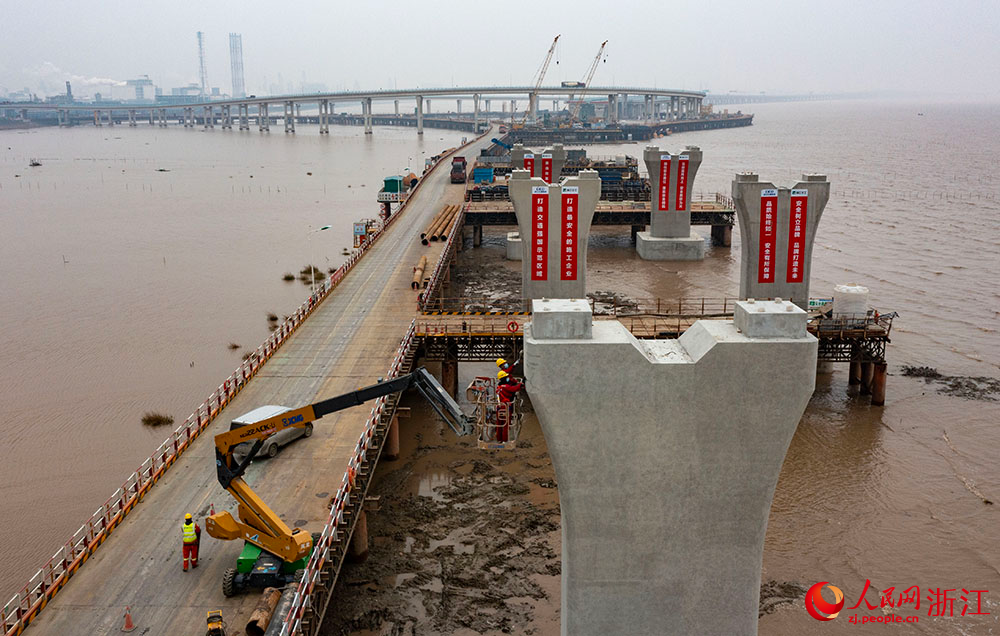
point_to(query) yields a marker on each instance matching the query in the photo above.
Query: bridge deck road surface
(348, 342)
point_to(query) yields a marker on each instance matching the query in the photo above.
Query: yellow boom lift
(273, 552)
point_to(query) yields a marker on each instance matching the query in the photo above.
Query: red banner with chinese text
(797, 236)
(682, 183)
(539, 232)
(664, 200)
(569, 245)
(768, 222)
(529, 163)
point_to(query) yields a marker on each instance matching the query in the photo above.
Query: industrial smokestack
(236, 64)
(203, 73)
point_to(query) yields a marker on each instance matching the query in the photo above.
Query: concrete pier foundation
(513, 246)
(324, 116)
(778, 228)
(554, 220)
(289, 117)
(867, 373)
(227, 118)
(854, 374)
(357, 552)
(722, 235)
(391, 449)
(420, 115)
(880, 371)
(671, 179)
(131, 118)
(548, 164)
(449, 377)
(208, 117)
(667, 453)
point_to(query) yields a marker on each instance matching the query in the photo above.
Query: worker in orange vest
(191, 535)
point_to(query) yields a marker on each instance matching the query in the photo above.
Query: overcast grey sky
(933, 46)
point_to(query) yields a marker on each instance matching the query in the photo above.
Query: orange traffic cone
(129, 625)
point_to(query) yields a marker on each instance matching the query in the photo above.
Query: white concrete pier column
(532, 107)
(289, 117)
(667, 453)
(396, 107)
(475, 113)
(366, 110)
(420, 115)
(778, 227)
(671, 180)
(111, 117)
(554, 223)
(263, 118)
(163, 118)
(324, 117)
(487, 108)
(209, 117)
(459, 106)
(227, 117)
(131, 118)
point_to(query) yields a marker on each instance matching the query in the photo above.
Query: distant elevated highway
(658, 103)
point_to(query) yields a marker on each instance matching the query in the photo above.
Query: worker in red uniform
(191, 535)
(507, 388)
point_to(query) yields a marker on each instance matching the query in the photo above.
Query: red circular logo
(818, 607)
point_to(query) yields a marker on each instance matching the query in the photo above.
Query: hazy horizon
(894, 48)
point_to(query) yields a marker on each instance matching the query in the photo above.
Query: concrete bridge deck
(348, 341)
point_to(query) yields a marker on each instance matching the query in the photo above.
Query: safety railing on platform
(867, 325)
(600, 304)
(50, 578)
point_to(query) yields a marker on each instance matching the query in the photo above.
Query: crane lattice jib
(586, 81)
(541, 74)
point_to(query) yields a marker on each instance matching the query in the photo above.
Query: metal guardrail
(22, 608)
(481, 305)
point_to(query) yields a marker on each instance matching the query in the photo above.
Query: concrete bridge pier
(163, 118)
(188, 117)
(488, 111)
(533, 107)
(111, 117)
(420, 114)
(513, 106)
(131, 118)
(263, 118)
(244, 115)
(324, 117)
(612, 109)
(665, 488)
(475, 113)
(227, 118)
(97, 118)
(396, 106)
(366, 109)
(208, 117)
(459, 106)
(289, 117)
(671, 178)
(428, 106)
(60, 114)
(778, 228)
(152, 116)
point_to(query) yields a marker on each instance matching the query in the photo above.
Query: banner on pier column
(539, 232)
(569, 245)
(797, 236)
(547, 168)
(682, 183)
(529, 163)
(664, 203)
(768, 218)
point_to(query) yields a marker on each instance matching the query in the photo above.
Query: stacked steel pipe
(418, 273)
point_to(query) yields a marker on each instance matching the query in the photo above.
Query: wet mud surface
(465, 541)
(968, 387)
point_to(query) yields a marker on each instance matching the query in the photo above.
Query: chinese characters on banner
(568, 231)
(539, 231)
(768, 218)
(664, 203)
(546, 168)
(682, 182)
(529, 163)
(797, 236)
